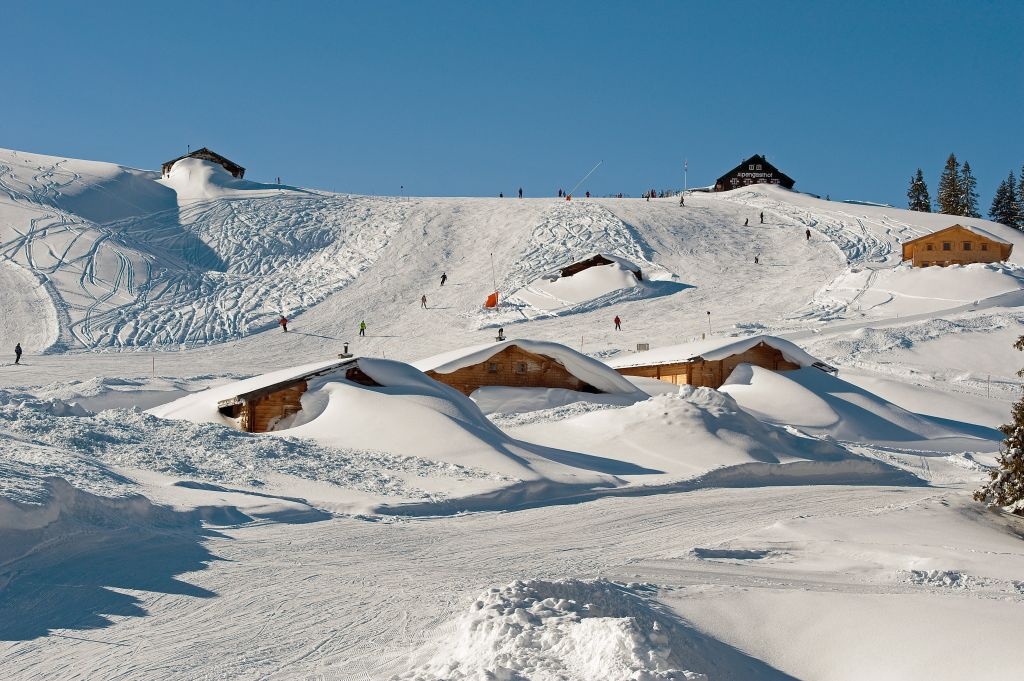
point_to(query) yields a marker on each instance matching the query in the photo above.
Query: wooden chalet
(259, 410)
(709, 363)
(207, 155)
(955, 245)
(513, 367)
(755, 170)
(524, 363)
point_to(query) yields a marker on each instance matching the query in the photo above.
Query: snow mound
(907, 290)
(195, 179)
(571, 630)
(685, 434)
(714, 349)
(553, 291)
(824, 405)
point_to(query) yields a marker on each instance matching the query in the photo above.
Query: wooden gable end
(513, 367)
(955, 245)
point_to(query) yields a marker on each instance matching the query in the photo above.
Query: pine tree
(917, 195)
(1005, 487)
(1006, 207)
(949, 187)
(968, 193)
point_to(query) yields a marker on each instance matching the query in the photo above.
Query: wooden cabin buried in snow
(698, 371)
(205, 154)
(755, 170)
(955, 245)
(513, 367)
(261, 410)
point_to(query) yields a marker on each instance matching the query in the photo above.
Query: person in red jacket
(618, 323)
(284, 323)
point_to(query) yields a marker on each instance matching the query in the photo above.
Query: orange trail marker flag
(492, 300)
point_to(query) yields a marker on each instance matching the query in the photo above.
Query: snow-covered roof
(713, 349)
(970, 228)
(587, 369)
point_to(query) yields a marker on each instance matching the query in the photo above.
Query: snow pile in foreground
(571, 630)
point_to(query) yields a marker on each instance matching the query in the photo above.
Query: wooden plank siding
(712, 374)
(956, 245)
(515, 368)
(260, 415)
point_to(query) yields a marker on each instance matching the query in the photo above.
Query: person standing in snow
(520, 192)
(559, 193)
(746, 222)
(588, 195)
(362, 328)
(444, 278)
(808, 233)
(755, 259)
(283, 321)
(682, 200)
(17, 353)
(762, 217)
(618, 323)
(423, 301)
(501, 195)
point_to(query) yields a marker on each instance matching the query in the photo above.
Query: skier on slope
(283, 321)
(17, 353)
(362, 328)
(618, 323)
(746, 222)
(423, 301)
(808, 233)
(520, 192)
(762, 217)
(444, 278)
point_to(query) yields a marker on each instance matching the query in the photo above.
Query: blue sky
(449, 98)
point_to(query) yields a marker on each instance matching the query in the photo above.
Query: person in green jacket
(362, 328)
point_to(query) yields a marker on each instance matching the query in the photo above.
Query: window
(750, 167)
(967, 245)
(929, 247)
(492, 367)
(947, 246)
(758, 167)
(520, 367)
(984, 247)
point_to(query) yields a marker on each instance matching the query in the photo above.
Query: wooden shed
(207, 155)
(512, 366)
(259, 410)
(755, 170)
(955, 245)
(709, 363)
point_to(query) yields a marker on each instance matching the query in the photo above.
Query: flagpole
(685, 168)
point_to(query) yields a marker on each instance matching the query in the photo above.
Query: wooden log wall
(712, 374)
(259, 416)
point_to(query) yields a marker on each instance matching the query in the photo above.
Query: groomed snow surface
(790, 525)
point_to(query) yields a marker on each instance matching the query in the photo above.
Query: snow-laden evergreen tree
(968, 193)
(917, 195)
(1006, 205)
(1005, 487)
(949, 196)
